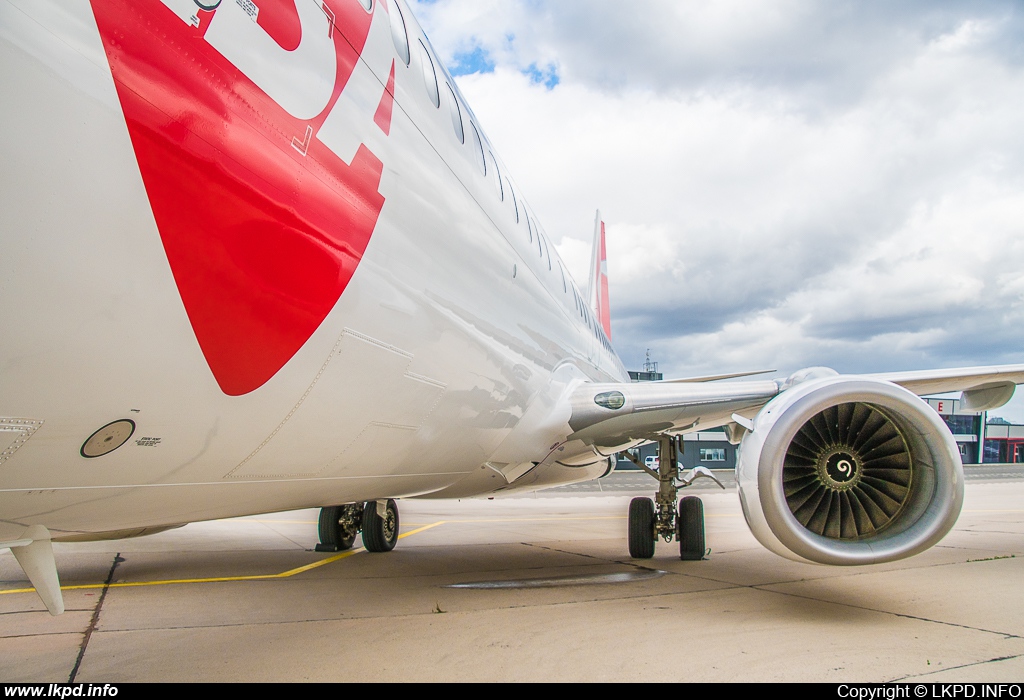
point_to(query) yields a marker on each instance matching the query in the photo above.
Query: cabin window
(497, 177)
(529, 224)
(533, 227)
(367, 4)
(478, 144)
(398, 33)
(515, 203)
(562, 270)
(453, 105)
(429, 76)
(547, 252)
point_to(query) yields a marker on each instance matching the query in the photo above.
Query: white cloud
(785, 184)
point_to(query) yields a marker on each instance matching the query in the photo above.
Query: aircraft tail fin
(597, 288)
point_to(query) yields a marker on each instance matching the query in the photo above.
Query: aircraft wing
(615, 415)
(983, 388)
(611, 415)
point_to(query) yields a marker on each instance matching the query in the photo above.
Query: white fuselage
(457, 319)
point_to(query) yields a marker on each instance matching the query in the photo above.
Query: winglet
(597, 288)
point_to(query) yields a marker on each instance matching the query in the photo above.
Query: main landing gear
(377, 520)
(662, 517)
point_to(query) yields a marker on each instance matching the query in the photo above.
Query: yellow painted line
(130, 584)
(421, 529)
(225, 579)
(533, 520)
(342, 555)
(548, 520)
(264, 520)
(318, 564)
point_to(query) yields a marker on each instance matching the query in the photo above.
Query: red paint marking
(204, 17)
(351, 20)
(280, 20)
(261, 240)
(330, 19)
(387, 103)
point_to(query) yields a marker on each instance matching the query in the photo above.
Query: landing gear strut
(690, 528)
(377, 520)
(339, 526)
(641, 528)
(380, 525)
(649, 520)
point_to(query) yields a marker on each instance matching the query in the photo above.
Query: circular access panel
(108, 438)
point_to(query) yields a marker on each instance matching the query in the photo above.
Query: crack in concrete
(39, 634)
(953, 668)
(849, 574)
(609, 562)
(908, 616)
(33, 612)
(95, 618)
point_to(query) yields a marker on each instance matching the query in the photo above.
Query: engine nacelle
(845, 470)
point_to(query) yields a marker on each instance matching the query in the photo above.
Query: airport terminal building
(979, 441)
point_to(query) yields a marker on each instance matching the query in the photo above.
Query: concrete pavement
(246, 600)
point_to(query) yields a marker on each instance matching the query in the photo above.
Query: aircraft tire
(641, 528)
(690, 528)
(380, 534)
(330, 530)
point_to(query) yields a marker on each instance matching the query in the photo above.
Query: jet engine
(848, 470)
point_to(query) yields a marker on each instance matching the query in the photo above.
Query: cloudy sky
(784, 183)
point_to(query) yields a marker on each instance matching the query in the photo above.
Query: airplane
(260, 255)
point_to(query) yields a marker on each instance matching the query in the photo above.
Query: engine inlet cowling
(841, 470)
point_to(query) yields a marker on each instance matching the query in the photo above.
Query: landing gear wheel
(641, 528)
(380, 533)
(333, 537)
(690, 528)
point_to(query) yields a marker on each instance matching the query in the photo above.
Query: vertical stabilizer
(597, 287)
